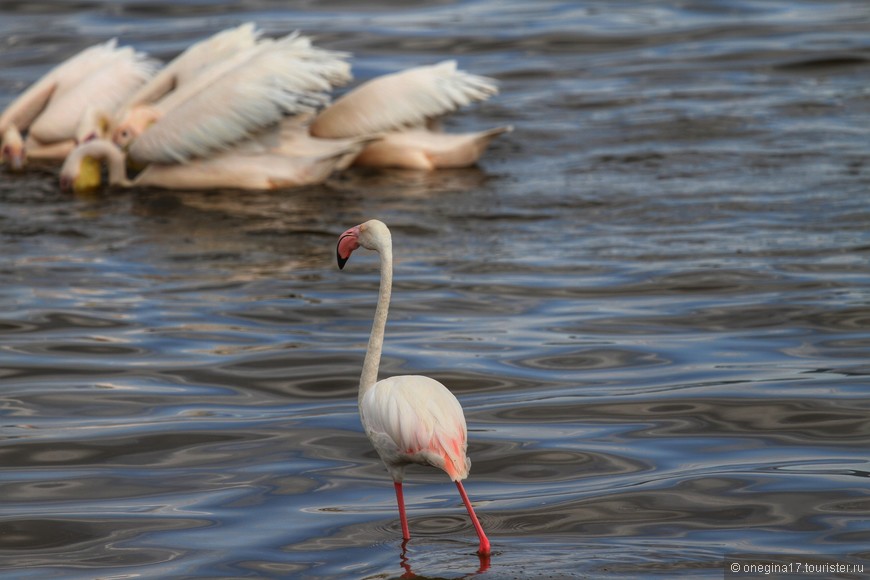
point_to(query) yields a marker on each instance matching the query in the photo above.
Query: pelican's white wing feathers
(194, 60)
(402, 99)
(232, 100)
(27, 106)
(103, 89)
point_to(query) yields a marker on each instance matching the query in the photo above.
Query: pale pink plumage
(402, 107)
(415, 419)
(224, 122)
(233, 99)
(190, 63)
(410, 418)
(256, 163)
(52, 109)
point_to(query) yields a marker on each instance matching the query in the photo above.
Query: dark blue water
(652, 300)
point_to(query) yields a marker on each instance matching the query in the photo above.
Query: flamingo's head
(132, 125)
(372, 235)
(80, 172)
(13, 151)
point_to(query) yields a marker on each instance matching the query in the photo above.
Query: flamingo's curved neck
(376, 341)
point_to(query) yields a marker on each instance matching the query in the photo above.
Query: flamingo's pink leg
(484, 541)
(400, 499)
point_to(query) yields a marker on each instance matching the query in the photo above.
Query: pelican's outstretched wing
(194, 60)
(26, 107)
(234, 99)
(402, 99)
(103, 89)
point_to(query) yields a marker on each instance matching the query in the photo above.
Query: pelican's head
(133, 124)
(81, 172)
(14, 153)
(372, 235)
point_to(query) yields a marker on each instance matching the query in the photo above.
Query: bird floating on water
(256, 163)
(220, 104)
(411, 418)
(129, 121)
(51, 110)
(406, 108)
(230, 125)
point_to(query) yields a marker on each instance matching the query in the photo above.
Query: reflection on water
(651, 298)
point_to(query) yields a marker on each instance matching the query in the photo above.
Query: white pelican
(233, 99)
(402, 107)
(192, 61)
(50, 111)
(234, 124)
(410, 418)
(260, 162)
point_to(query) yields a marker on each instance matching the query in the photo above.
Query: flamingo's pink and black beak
(347, 243)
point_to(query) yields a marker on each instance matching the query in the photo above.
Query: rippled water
(652, 299)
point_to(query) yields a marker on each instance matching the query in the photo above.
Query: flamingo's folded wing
(194, 60)
(232, 101)
(415, 418)
(402, 99)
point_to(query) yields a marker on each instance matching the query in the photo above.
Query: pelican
(232, 99)
(192, 61)
(232, 124)
(405, 107)
(51, 110)
(268, 160)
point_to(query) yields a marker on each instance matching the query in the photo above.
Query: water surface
(652, 300)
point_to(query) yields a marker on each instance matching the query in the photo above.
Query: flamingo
(411, 418)
(51, 110)
(405, 107)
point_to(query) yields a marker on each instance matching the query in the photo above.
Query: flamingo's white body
(403, 107)
(51, 110)
(409, 419)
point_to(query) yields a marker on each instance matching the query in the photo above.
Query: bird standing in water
(409, 418)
